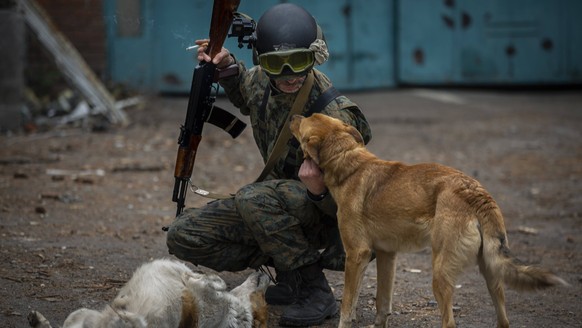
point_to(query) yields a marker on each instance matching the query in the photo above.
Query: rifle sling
(325, 98)
(209, 194)
(290, 167)
(285, 132)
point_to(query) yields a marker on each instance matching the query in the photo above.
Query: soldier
(288, 220)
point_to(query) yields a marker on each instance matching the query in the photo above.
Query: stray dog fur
(166, 293)
(388, 207)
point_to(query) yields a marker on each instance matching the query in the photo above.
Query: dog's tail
(496, 258)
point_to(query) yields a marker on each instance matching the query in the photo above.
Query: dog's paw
(37, 320)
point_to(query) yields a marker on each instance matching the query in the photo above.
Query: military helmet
(284, 35)
(283, 27)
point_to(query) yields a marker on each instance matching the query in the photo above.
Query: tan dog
(390, 207)
(167, 294)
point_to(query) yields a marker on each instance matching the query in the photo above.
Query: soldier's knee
(244, 194)
(174, 240)
(254, 197)
(182, 241)
(251, 193)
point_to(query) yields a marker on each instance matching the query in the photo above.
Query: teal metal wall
(359, 34)
(489, 42)
(373, 43)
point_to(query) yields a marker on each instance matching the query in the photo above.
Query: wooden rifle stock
(200, 100)
(186, 157)
(222, 15)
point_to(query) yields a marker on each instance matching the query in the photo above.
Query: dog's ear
(311, 148)
(355, 133)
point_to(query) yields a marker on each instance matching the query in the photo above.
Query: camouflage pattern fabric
(246, 92)
(272, 219)
(270, 222)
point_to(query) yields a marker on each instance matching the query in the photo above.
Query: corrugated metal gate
(373, 43)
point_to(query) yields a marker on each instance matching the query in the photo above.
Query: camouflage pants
(267, 221)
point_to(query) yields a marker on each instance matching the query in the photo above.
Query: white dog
(166, 293)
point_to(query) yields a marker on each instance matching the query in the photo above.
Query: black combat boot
(315, 303)
(286, 290)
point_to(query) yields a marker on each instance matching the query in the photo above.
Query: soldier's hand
(221, 60)
(312, 177)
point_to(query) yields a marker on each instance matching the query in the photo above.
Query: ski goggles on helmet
(297, 60)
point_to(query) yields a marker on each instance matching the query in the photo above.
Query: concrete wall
(11, 69)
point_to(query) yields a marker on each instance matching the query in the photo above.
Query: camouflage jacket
(247, 90)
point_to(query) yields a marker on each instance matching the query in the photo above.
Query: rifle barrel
(200, 101)
(179, 194)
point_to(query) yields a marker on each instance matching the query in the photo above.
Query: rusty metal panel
(489, 42)
(425, 41)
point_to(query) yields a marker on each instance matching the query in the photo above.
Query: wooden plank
(71, 63)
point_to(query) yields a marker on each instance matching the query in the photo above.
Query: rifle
(201, 107)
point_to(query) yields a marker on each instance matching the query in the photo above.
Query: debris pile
(43, 112)
(93, 97)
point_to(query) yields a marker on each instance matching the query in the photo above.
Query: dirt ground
(80, 210)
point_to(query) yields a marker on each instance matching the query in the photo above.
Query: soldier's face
(289, 84)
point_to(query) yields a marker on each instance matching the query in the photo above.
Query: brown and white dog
(166, 293)
(389, 207)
